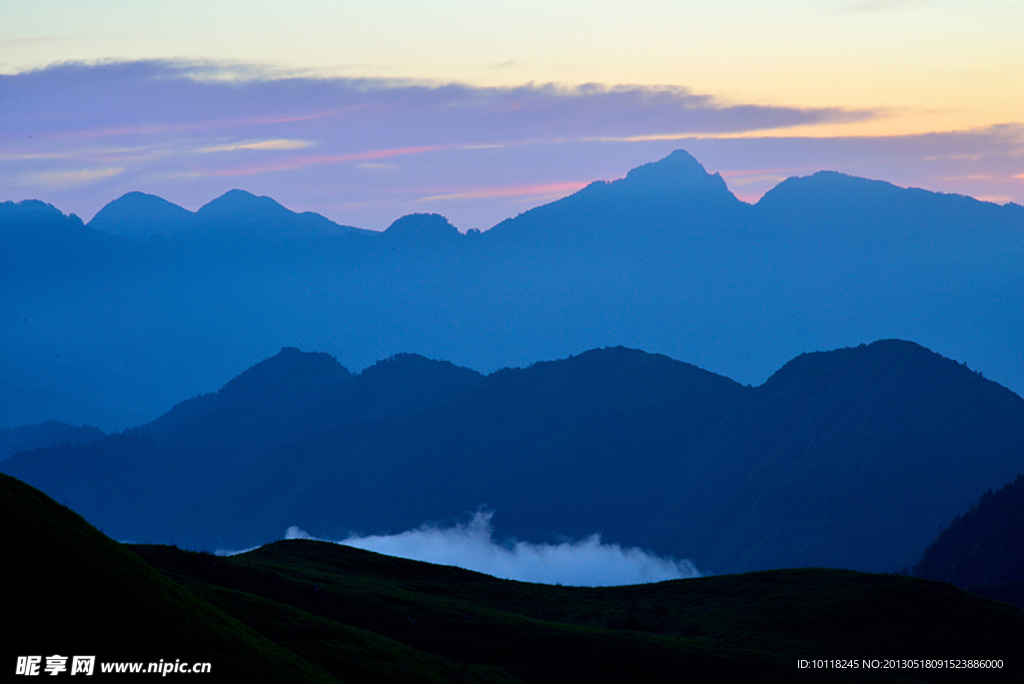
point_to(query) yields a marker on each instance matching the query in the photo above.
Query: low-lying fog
(586, 562)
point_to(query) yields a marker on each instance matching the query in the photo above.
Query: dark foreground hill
(69, 590)
(309, 611)
(852, 458)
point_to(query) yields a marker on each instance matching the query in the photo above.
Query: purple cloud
(364, 152)
(79, 135)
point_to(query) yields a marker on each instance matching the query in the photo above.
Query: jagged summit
(677, 169)
(34, 219)
(679, 176)
(674, 195)
(30, 210)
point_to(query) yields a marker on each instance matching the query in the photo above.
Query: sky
(366, 111)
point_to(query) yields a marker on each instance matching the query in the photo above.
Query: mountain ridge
(236, 214)
(648, 444)
(641, 262)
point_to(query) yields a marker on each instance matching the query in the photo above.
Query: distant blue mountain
(422, 230)
(140, 216)
(43, 435)
(850, 458)
(288, 398)
(240, 214)
(236, 214)
(665, 259)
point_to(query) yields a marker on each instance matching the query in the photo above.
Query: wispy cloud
(147, 98)
(295, 163)
(280, 144)
(79, 135)
(587, 562)
(561, 188)
(63, 179)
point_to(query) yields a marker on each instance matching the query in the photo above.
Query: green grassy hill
(750, 627)
(305, 611)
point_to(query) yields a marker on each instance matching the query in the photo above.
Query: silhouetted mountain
(236, 214)
(240, 214)
(665, 259)
(202, 444)
(38, 241)
(422, 230)
(597, 442)
(43, 435)
(851, 458)
(656, 204)
(983, 550)
(32, 219)
(141, 217)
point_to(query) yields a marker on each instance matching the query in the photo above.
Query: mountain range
(112, 322)
(236, 215)
(853, 458)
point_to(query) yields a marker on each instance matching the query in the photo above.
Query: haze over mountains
(113, 322)
(852, 458)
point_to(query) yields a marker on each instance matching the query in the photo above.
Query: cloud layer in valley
(587, 562)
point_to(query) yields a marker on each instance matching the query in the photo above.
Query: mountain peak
(674, 196)
(291, 367)
(679, 171)
(828, 186)
(677, 178)
(241, 214)
(141, 216)
(893, 363)
(680, 164)
(422, 228)
(289, 379)
(32, 212)
(236, 201)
